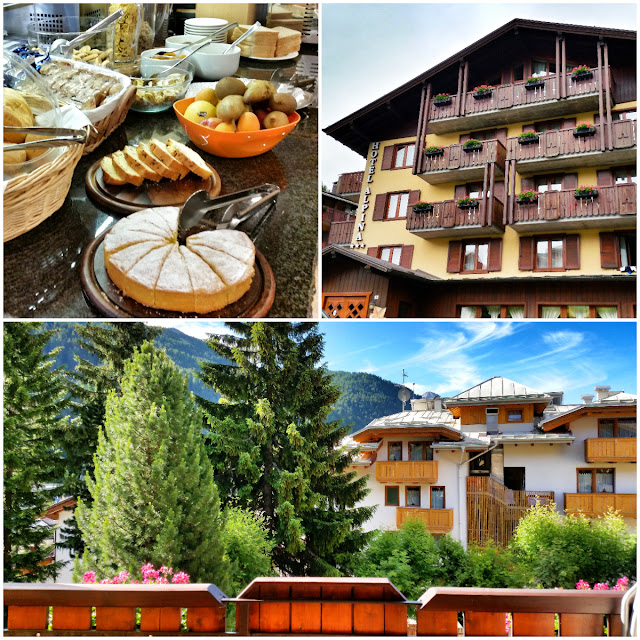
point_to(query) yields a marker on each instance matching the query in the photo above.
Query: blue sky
(371, 49)
(449, 357)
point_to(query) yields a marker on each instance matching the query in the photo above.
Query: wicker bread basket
(30, 199)
(101, 130)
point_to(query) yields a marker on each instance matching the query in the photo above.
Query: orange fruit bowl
(232, 145)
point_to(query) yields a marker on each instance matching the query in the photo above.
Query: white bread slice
(109, 173)
(131, 154)
(189, 158)
(125, 170)
(289, 41)
(261, 43)
(145, 154)
(160, 151)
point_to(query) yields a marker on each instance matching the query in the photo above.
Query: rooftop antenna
(404, 394)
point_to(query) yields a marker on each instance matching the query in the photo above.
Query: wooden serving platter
(166, 193)
(106, 298)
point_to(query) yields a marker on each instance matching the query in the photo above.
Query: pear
(259, 90)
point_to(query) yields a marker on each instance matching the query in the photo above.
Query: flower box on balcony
(584, 132)
(430, 152)
(528, 137)
(584, 192)
(468, 203)
(527, 197)
(482, 91)
(441, 99)
(422, 207)
(471, 145)
(581, 72)
(533, 83)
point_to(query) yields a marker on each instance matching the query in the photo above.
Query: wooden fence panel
(306, 617)
(581, 625)
(207, 619)
(160, 619)
(115, 618)
(483, 623)
(534, 624)
(27, 617)
(437, 623)
(71, 618)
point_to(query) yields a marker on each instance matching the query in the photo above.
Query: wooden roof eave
(374, 434)
(620, 411)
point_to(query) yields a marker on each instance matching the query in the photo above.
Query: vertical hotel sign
(373, 157)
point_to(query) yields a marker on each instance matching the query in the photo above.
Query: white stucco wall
(63, 555)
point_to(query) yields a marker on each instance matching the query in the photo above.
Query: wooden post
(459, 97)
(559, 78)
(465, 87)
(607, 81)
(564, 66)
(492, 183)
(600, 96)
(485, 184)
(513, 190)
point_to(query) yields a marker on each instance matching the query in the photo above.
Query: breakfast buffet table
(42, 267)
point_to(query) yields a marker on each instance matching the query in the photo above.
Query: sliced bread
(289, 41)
(109, 173)
(124, 170)
(160, 151)
(131, 154)
(145, 154)
(189, 157)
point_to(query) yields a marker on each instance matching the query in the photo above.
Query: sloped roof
(498, 388)
(604, 409)
(621, 396)
(414, 418)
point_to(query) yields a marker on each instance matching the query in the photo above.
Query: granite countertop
(42, 267)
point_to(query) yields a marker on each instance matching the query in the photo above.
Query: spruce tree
(154, 498)
(108, 346)
(275, 452)
(34, 399)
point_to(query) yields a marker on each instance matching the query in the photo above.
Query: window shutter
(387, 157)
(460, 191)
(605, 178)
(572, 252)
(494, 261)
(527, 184)
(414, 197)
(570, 181)
(569, 123)
(454, 261)
(406, 256)
(379, 206)
(609, 250)
(373, 252)
(525, 259)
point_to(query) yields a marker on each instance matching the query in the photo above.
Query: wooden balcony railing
(341, 232)
(554, 146)
(407, 471)
(610, 449)
(115, 609)
(350, 182)
(454, 157)
(435, 520)
(448, 219)
(533, 612)
(493, 511)
(616, 200)
(597, 504)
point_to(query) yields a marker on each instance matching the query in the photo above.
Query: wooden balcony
(458, 165)
(448, 220)
(350, 184)
(407, 471)
(435, 520)
(331, 215)
(610, 450)
(341, 232)
(511, 103)
(615, 207)
(597, 504)
(562, 150)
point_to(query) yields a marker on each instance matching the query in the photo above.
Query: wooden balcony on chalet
(331, 215)
(610, 450)
(597, 504)
(457, 165)
(614, 207)
(435, 520)
(448, 220)
(560, 149)
(511, 103)
(407, 471)
(340, 232)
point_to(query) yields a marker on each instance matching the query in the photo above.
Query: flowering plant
(434, 149)
(483, 89)
(622, 584)
(472, 144)
(441, 96)
(533, 80)
(148, 574)
(529, 196)
(585, 126)
(422, 206)
(466, 201)
(528, 135)
(586, 190)
(581, 68)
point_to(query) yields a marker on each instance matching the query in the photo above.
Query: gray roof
(499, 387)
(522, 438)
(427, 418)
(620, 397)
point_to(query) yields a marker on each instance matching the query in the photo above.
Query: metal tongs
(246, 211)
(59, 137)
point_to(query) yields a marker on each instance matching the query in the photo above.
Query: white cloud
(200, 329)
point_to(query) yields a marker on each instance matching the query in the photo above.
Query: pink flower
(622, 584)
(583, 585)
(165, 570)
(89, 577)
(181, 578)
(601, 586)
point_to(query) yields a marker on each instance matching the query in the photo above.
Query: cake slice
(209, 291)
(160, 151)
(109, 173)
(189, 158)
(140, 281)
(124, 170)
(121, 237)
(173, 290)
(151, 221)
(145, 154)
(234, 243)
(131, 154)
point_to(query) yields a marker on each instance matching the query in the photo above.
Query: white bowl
(205, 22)
(210, 63)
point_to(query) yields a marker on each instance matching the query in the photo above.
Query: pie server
(246, 211)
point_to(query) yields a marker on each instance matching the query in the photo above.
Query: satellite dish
(404, 394)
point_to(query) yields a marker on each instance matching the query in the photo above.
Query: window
(420, 451)
(395, 451)
(485, 134)
(625, 175)
(541, 68)
(412, 497)
(548, 125)
(517, 73)
(549, 254)
(577, 311)
(480, 466)
(397, 204)
(390, 254)
(617, 428)
(548, 183)
(491, 311)
(617, 250)
(437, 498)
(596, 481)
(623, 115)
(404, 156)
(476, 255)
(514, 415)
(392, 496)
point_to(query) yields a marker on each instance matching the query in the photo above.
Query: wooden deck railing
(610, 449)
(562, 142)
(448, 215)
(350, 182)
(455, 157)
(533, 612)
(330, 214)
(341, 232)
(516, 95)
(597, 504)
(493, 511)
(116, 606)
(407, 471)
(618, 199)
(435, 520)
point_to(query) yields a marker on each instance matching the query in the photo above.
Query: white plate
(289, 56)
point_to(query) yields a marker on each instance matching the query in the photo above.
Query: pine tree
(154, 498)
(275, 452)
(109, 345)
(34, 398)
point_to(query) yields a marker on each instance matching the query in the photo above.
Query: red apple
(262, 114)
(212, 123)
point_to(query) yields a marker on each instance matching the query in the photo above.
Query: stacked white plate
(203, 27)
